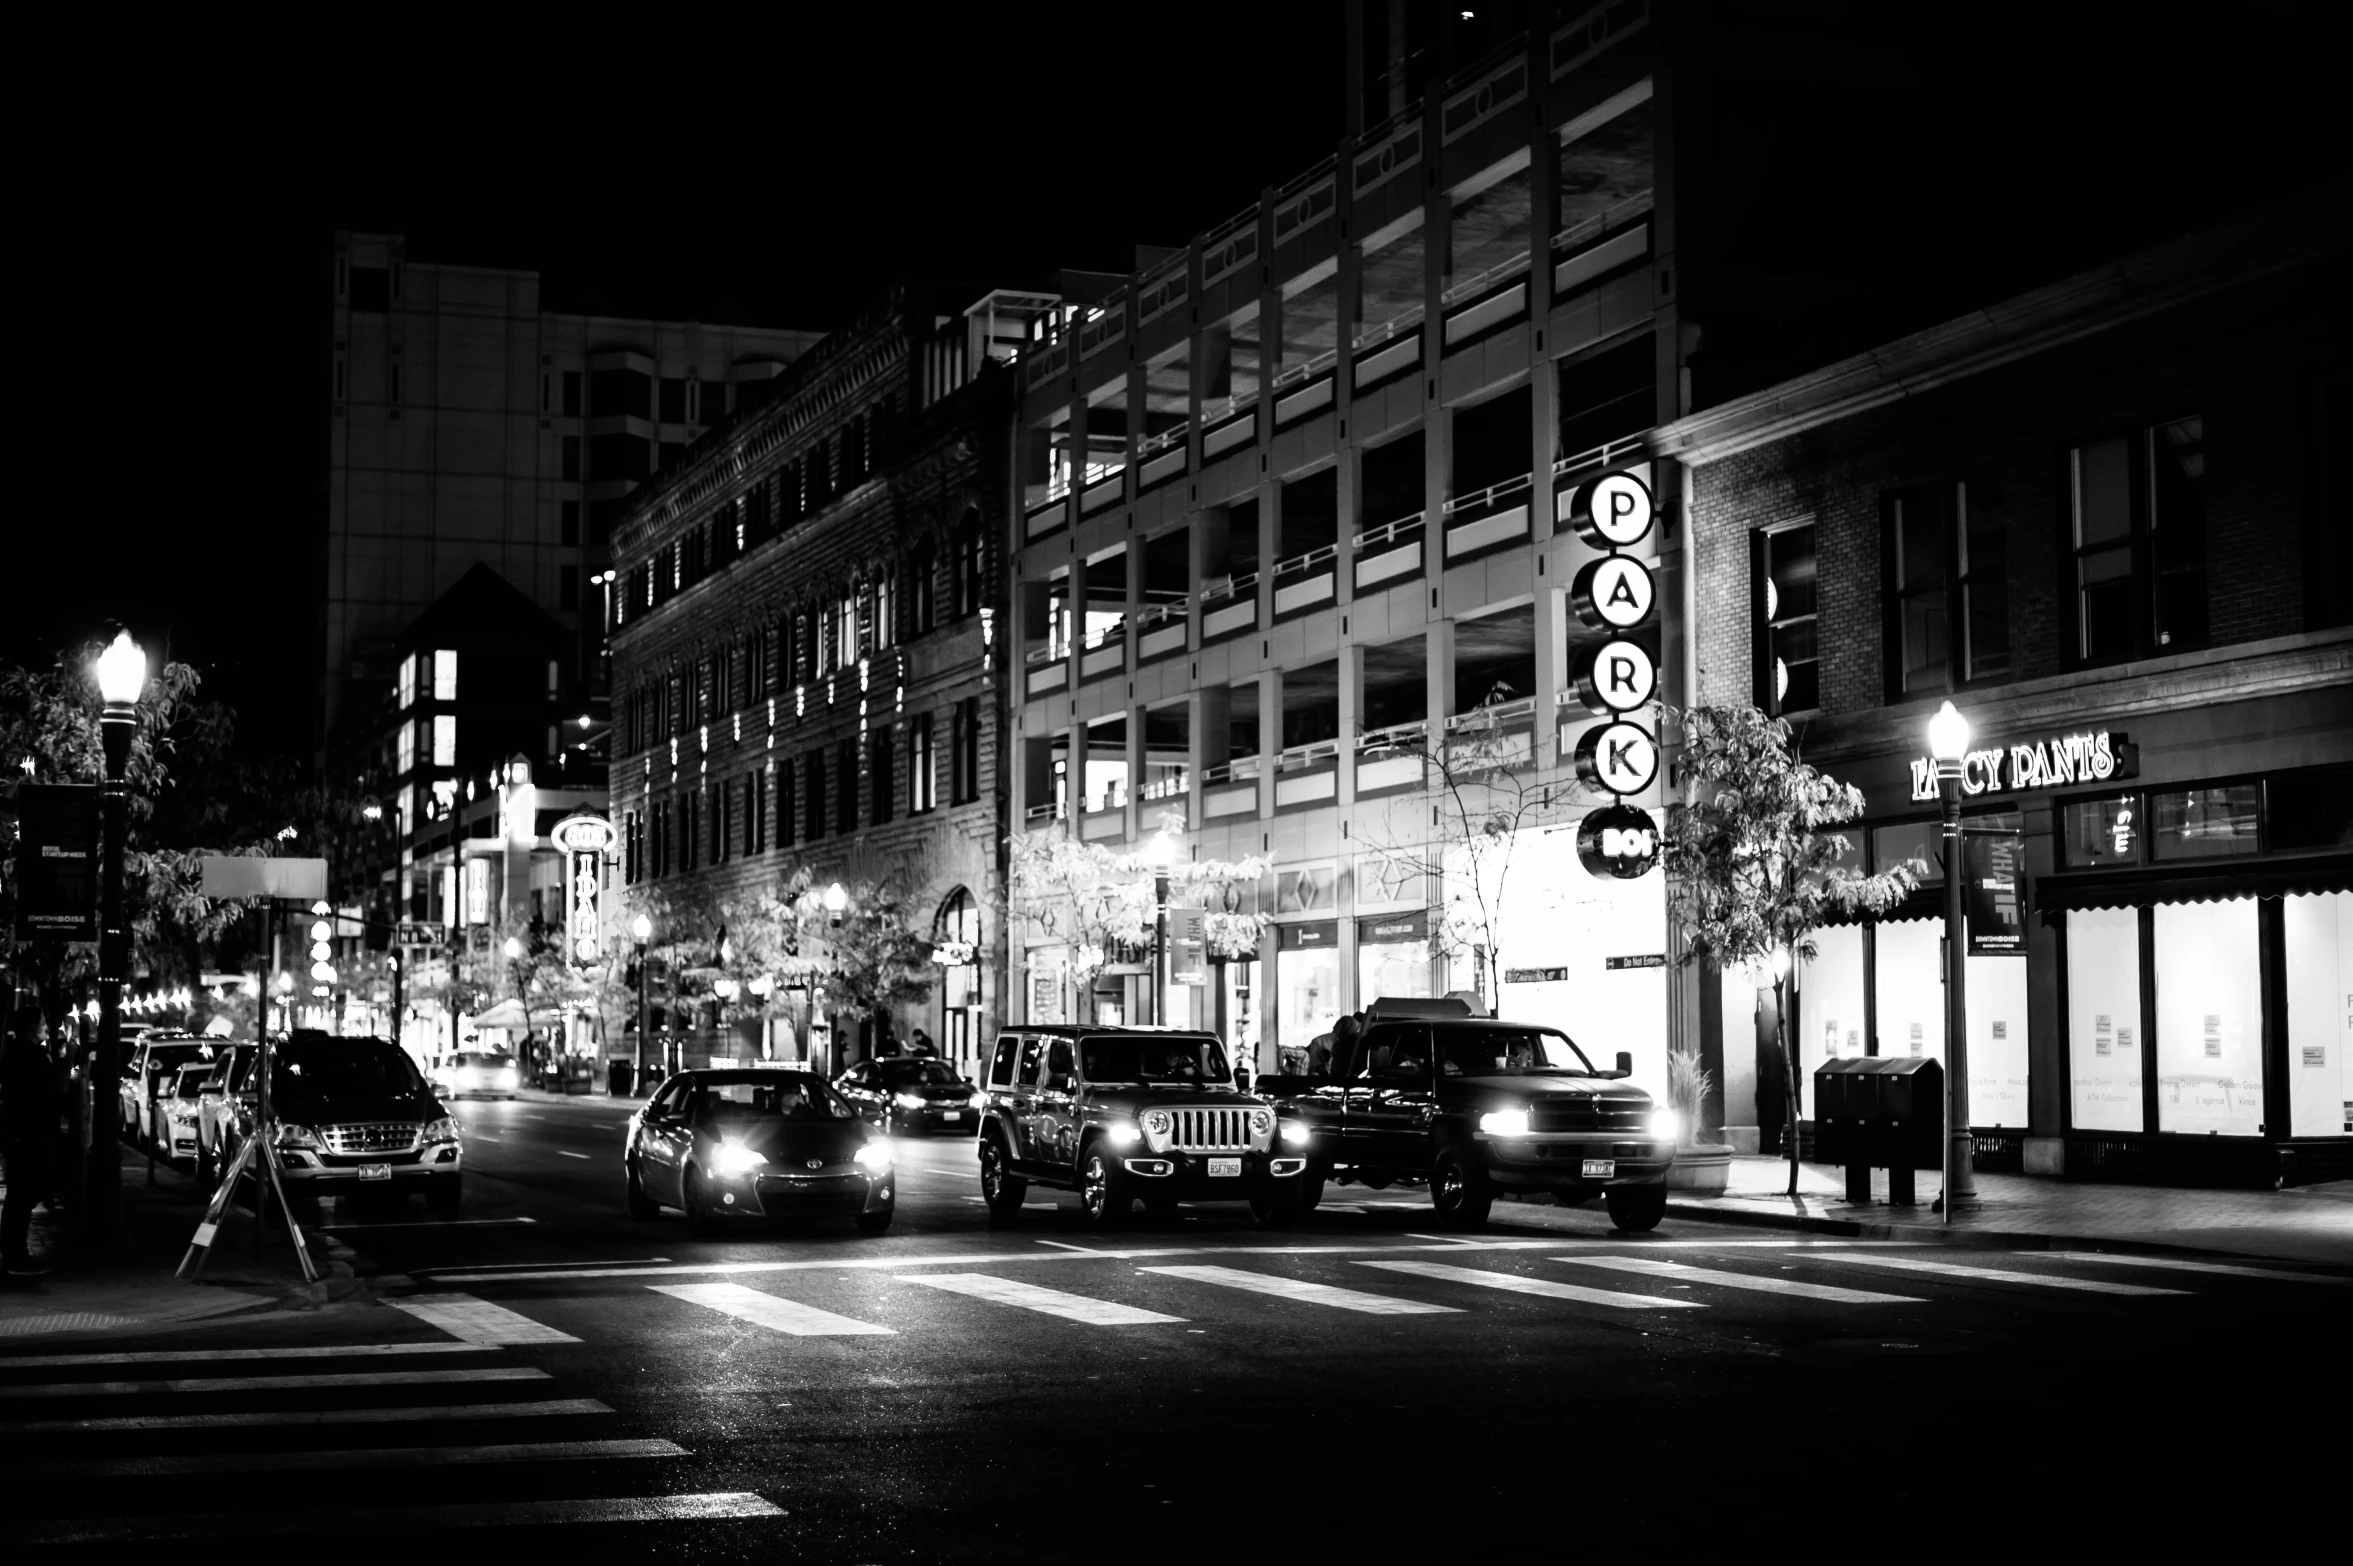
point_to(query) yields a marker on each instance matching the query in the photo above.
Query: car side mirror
(1625, 1063)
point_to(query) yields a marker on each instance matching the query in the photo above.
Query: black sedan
(912, 1093)
(756, 1143)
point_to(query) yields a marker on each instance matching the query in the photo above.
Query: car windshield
(742, 1102)
(192, 1080)
(918, 1073)
(1486, 1052)
(348, 1066)
(171, 1057)
(1154, 1060)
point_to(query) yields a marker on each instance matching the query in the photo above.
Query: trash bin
(579, 1075)
(617, 1077)
(1880, 1111)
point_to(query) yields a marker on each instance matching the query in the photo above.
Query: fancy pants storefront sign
(2058, 762)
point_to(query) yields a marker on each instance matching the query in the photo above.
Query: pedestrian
(919, 1043)
(28, 1129)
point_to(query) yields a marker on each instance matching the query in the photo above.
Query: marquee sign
(2057, 762)
(1618, 842)
(583, 834)
(1620, 758)
(1615, 593)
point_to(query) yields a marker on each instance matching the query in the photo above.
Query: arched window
(971, 565)
(955, 933)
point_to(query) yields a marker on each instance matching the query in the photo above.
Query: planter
(1705, 1170)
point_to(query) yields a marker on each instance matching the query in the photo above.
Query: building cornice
(2259, 245)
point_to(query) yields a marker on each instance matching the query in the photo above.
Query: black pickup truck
(1477, 1107)
(1122, 1115)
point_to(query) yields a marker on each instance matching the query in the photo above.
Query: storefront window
(2095, 833)
(1830, 999)
(1911, 988)
(2319, 933)
(2104, 1024)
(1912, 842)
(1392, 958)
(2209, 1018)
(1307, 984)
(2205, 823)
(1996, 996)
(2310, 808)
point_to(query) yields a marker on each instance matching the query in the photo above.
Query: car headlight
(1504, 1122)
(1295, 1133)
(443, 1130)
(980, 1101)
(295, 1136)
(733, 1158)
(1261, 1121)
(875, 1155)
(1665, 1124)
(908, 1100)
(1121, 1134)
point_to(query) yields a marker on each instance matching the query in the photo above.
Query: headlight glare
(733, 1158)
(908, 1100)
(1665, 1124)
(1295, 1134)
(980, 1101)
(1122, 1135)
(443, 1130)
(875, 1155)
(1504, 1122)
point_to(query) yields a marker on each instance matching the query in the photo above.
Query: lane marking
(344, 1378)
(2042, 1280)
(359, 1457)
(1306, 1293)
(568, 1153)
(1028, 1296)
(1516, 1284)
(478, 1321)
(171, 1356)
(384, 1519)
(1660, 1267)
(771, 1310)
(425, 1223)
(2172, 1264)
(328, 1416)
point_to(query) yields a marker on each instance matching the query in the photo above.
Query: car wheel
(442, 1195)
(1460, 1192)
(1102, 1189)
(1636, 1208)
(1000, 1187)
(874, 1223)
(1274, 1204)
(642, 1207)
(699, 1221)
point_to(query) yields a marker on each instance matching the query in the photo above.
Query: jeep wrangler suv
(1122, 1115)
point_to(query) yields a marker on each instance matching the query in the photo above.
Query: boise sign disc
(1618, 842)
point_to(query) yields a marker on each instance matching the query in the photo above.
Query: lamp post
(836, 900)
(642, 929)
(1160, 853)
(122, 676)
(1948, 742)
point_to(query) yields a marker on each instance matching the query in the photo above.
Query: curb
(1980, 1239)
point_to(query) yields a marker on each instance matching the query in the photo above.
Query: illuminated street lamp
(1948, 742)
(122, 676)
(1160, 853)
(642, 928)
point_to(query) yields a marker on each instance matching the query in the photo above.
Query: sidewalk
(2306, 1223)
(127, 1282)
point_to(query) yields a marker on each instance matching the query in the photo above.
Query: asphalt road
(1360, 1387)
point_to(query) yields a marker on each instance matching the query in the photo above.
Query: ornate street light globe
(122, 670)
(835, 898)
(514, 949)
(1948, 734)
(1161, 851)
(643, 928)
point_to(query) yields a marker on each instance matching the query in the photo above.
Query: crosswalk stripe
(771, 1310)
(1053, 1302)
(349, 1457)
(1660, 1267)
(1308, 1293)
(2175, 1264)
(198, 1356)
(342, 1378)
(326, 1416)
(384, 1519)
(1997, 1274)
(1546, 1287)
(478, 1321)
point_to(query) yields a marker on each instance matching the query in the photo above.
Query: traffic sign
(420, 934)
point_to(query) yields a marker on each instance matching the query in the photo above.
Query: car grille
(1588, 1115)
(1212, 1130)
(382, 1136)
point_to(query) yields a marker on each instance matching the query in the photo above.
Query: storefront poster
(1996, 917)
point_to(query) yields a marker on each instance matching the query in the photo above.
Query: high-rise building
(469, 425)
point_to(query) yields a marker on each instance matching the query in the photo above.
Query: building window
(571, 394)
(2138, 503)
(880, 774)
(845, 788)
(571, 467)
(629, 847)
(1787, 657)
(567, 587)
(886, 609)
(971, 545)
(784, 805)
(922, 794)
(405, 749)
(722, 821)
(755, 813)
(445, 740)
(965, 784)
(917, 599)
(1947, 564)
(405, 684)
(813, 817)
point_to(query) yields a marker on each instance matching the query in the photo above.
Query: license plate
(953, 1114)
(1225, 1168)
(384, 1171)
(1600, 1168)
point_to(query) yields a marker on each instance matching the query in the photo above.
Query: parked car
(1122, 1115)
(911, 1093)
(224, 1110)
(180, 1108)
(149, 1078)
(488, 1073)
(354, 1117)
(756, 1142)
(1475, 1107)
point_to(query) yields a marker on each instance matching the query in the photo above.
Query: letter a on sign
(1612, 511)
(1617, 757)
(1613, 593)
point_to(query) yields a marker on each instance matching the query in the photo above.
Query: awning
(2214, 882)
(506, 1014)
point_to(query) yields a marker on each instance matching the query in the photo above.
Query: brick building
(806, 667)
(2106, 519)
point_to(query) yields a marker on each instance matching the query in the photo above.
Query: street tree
(1753, 863)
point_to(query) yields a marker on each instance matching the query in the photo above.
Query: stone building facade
(807, 676)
